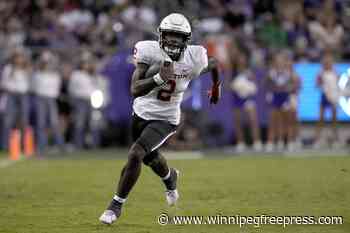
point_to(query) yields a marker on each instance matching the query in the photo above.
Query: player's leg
(129, 175)
(114, 209)
(131, 170)
(153, 135)
(156, 161)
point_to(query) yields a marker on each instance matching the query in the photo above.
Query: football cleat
(108, 217)
(172, 196)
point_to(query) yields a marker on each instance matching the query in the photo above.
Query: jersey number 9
(165, 93)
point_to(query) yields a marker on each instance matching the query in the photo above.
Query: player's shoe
(172, 195)
(108, 217)
(112, 213)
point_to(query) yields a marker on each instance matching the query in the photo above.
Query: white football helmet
(178, 25)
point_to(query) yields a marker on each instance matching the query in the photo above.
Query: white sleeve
(142, 53)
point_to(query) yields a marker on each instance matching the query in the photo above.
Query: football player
(163, 71)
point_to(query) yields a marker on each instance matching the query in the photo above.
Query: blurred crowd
(307, 27)
(55, 50)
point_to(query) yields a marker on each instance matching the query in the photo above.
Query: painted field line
(174, 155)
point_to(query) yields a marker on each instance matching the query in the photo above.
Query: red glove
(215, 93)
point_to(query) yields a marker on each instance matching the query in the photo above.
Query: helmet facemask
(173, 43)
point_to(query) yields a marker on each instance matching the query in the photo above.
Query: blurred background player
(15, 84)
(327, 81)
(46, 88)
(280, 84)
(244, 91)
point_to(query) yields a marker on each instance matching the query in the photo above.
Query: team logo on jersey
(180, 76)
(182, 71)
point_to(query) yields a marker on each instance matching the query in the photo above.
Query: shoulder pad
(144, 51)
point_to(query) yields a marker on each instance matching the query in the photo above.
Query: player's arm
(144, 80)
(215, 92)
(140, 85)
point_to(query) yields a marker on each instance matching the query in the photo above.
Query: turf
(68, 195)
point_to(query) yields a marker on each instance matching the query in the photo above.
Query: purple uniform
(279, 96)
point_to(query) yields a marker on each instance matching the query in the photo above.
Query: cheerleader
(280, 85)
(327, 82)
(244, 102)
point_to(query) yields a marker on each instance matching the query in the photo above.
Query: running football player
(163, 71)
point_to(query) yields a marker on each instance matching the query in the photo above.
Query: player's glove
(215, 93)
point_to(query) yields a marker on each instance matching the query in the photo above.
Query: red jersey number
(165, 93)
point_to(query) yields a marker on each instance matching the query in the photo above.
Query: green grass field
(68, 195)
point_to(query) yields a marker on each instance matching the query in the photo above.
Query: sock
(116, 203)
(170, 180)
(119, 199)
(167, 176)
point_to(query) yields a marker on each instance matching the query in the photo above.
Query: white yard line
(174, 155)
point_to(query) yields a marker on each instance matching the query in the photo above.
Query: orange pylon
(28, 142)
(15, 144)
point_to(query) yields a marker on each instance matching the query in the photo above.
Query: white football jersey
(163, 103)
